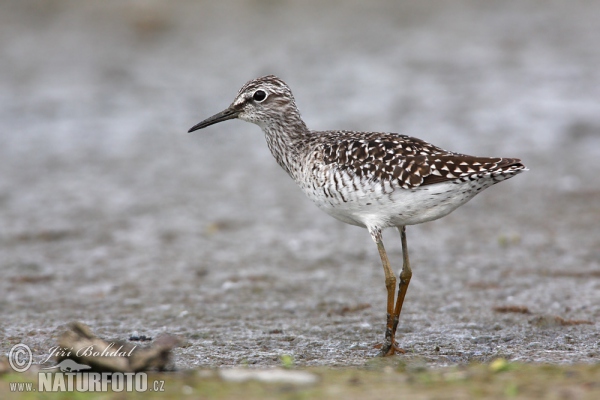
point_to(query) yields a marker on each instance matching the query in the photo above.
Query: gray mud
(112, 215)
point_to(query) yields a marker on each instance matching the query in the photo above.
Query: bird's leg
(405, 276)
(388, 347)
(390, 285)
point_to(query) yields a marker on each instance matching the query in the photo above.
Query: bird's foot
(390, 349)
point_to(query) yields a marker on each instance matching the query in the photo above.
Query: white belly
(373, 204)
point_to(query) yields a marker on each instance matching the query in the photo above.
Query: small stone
(499, 365)
(454, 307)
(482, 339)
(268, 376)
(534, 345)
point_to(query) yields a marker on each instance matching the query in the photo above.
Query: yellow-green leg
(389, 346)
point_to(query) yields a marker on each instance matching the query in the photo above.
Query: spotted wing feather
(409, 161)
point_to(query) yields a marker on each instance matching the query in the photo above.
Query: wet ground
(112, 215)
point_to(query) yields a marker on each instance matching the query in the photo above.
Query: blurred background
(110, 213)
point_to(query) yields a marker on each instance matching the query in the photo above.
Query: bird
(374, 180)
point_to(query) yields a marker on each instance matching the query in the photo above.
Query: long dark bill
(224, 115)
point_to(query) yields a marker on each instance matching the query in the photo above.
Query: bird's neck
(284, 138)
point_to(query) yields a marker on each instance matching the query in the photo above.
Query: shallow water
(111, 214)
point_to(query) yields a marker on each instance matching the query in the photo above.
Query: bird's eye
(259, 95)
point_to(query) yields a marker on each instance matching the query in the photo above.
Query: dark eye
(259, 95)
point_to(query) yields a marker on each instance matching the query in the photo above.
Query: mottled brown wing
(383, 157)
(459, 166)
(409, 161)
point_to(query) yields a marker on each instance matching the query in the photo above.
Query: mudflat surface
(112, 215)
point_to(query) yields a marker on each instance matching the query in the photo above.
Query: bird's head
(262, 101)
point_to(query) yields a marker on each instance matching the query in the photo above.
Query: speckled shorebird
(371, 179)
